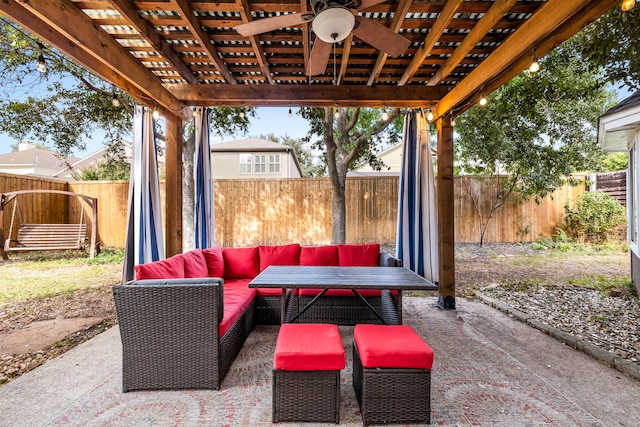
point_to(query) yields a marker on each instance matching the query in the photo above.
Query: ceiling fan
(332, 21)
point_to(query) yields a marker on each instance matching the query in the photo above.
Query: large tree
(536, 131)
(65, 106)
(349, 136)
(613, 44)
(62, 107)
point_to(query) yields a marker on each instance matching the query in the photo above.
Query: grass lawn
(46, 274)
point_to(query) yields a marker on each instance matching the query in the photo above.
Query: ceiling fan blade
(319, 57)
(380, 37)
(368, 3)
(265, 25)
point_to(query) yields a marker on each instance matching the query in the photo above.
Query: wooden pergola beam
(203, 39)
(73, 32)
(245, 12)
(398, 18)
(130, 14)
(493, 15)
(547, 19)
(430, 40)
(308, 96)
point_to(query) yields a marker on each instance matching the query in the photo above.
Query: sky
(268, 120)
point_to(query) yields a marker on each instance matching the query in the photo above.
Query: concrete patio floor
(599, 394)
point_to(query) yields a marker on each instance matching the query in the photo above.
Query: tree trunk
(339, 226)
(188, 194)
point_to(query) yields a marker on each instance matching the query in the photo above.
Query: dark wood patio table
(353, 278)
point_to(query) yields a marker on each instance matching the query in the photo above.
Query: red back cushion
(319, 255)
(279, 255)
(215, 261)
(359, 255)
(170, 268)
(240, 263)
(195, 265)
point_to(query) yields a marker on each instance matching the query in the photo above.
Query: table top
(398, 278)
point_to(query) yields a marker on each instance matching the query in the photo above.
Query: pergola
(173, 54)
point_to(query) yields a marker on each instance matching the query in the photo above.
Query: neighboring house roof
(249, 144)
(34, 158)
(89, 161)
(618, 126)
(254, 145)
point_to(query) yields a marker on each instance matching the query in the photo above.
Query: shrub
(594, 216)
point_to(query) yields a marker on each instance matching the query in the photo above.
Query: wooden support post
(173, 185)
(445, 198)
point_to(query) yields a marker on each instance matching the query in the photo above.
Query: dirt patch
(89, 311)
(43, 334)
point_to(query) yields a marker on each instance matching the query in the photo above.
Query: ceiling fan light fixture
(333, 24)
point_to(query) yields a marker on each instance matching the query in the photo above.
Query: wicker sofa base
(306, 396)
(392, 396)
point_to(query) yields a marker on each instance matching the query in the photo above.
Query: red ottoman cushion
(391, 346)
(309, 347)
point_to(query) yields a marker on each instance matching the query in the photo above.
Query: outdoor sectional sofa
(184, 320)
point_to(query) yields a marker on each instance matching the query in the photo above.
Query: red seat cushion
(170, 268)
(391, 346)
(215, 261)
(236, 301)
(240, 263)
(359, 255)
(309, 347)
(279, 255)
(195, 265)
(236, 283)
(269, 292)
(339, 293)
(319, 255)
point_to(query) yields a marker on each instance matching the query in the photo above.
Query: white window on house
(245, 163)
(274, 163)
(260, 163)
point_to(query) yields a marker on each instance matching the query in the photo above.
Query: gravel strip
(606, 322)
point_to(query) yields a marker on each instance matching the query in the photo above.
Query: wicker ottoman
(306, 373)
(391, 374)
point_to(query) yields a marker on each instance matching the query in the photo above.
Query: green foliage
(615, 162)
(594, 215)
(114, 166)
(62, 108)
(612, 43)
(538, 128)
(607, 285)
(310, 168)
(536, 131)
(225, 121)
(359, 133)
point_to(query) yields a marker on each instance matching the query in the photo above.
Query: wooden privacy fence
(252, 212)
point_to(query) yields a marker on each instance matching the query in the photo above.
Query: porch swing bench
(47, 237)
(42, 237)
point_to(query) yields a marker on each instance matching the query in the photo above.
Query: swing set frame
(45, 237)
